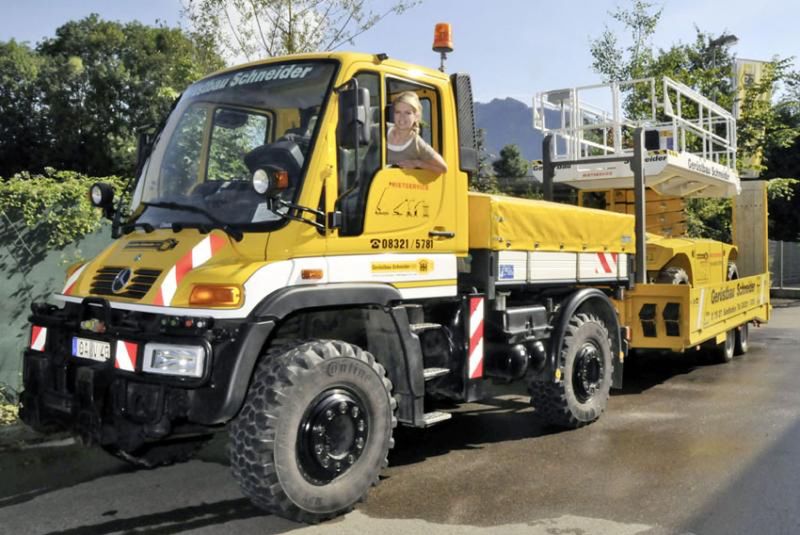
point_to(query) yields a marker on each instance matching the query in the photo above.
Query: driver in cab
(406, 149)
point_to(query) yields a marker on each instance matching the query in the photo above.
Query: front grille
(141, 281)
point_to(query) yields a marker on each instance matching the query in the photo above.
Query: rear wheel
(581, 396)
(315, 430)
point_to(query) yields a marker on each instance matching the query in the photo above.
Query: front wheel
(314, 431)
(581, 396)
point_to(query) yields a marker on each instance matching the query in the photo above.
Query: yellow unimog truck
(274, 278)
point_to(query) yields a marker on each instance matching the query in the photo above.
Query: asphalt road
(685, 448)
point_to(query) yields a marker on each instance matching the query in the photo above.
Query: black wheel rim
(588, 372)
(332, 435)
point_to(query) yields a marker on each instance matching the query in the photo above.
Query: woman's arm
(428, 159)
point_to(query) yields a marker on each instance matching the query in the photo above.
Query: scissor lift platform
(696, 138)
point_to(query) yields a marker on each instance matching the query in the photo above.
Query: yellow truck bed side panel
(507, 223)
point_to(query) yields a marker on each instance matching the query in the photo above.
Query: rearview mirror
(355, 120)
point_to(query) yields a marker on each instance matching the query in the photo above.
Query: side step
(436, 417)
(418, 328)
(433, 373)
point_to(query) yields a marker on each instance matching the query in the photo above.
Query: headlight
(168, 359)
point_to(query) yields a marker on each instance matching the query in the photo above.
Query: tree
(511, 164)
(81, 94)
(251, 29)
(484, 181)
(706, 66)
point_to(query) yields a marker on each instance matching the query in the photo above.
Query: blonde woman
(406, 148)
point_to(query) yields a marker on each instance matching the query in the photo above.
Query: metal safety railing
(784, 264)
(597, 121)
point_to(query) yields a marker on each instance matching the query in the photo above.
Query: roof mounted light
(443, 41)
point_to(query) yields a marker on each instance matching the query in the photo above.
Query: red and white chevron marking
(199, 255)
(606, 263)
(38, 337)
(125, 357)
(70, 284)
(476, 337)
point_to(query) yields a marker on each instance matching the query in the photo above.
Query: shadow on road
(176, 520)
(505, 418)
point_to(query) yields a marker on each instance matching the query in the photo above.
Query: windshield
(222, 130)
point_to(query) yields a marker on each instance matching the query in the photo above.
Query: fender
(603, 306)
(232, 373)
(280, 304)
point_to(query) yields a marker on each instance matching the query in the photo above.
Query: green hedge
(55, 204)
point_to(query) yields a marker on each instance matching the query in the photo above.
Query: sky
(511, 48)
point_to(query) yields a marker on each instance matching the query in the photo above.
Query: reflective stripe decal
(125, 357)
(476, 337)
(38, 337)
(70, 284)
(199, 255)
(700, 308)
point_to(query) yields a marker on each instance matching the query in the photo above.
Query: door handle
(442, 234)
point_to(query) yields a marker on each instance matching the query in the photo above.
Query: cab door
(402, 222)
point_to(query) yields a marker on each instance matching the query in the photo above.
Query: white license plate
(91, 349)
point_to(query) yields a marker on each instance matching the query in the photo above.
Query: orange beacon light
(443, 41)
(443, 38)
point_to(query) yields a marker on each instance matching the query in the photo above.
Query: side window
(429, 122)
(355, 172)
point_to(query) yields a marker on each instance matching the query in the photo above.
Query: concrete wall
(29, 272)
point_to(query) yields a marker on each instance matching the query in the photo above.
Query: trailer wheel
(165, 453)
(581, 396)
(314, 431)
(741, 344)
(723, 353)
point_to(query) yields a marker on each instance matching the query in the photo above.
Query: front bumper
(109, 404)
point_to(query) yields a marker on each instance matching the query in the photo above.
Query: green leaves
(75, 101)
(55, 204)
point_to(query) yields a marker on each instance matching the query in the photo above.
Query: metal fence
(784, 264)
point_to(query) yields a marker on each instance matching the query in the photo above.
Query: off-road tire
(672, 275)
(568, 403)
(269, 439)
(742, 343)
(156, 454)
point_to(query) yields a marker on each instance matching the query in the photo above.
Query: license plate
(91, 349)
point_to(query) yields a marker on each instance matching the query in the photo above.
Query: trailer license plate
(91, 349)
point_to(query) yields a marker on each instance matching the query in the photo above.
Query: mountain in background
(508, 121)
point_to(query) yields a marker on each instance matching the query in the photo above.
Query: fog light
(167, 359)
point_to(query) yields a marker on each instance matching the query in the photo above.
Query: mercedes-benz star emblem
(121, 280)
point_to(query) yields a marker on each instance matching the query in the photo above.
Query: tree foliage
(75, 100)
(54, 203)
(765, 127)
(484, 181)
(252, 29)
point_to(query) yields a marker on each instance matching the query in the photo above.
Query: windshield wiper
(233, 232)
